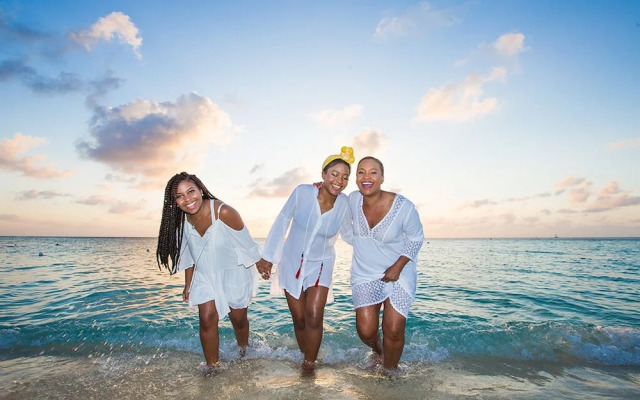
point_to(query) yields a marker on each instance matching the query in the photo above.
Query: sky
(495, 118)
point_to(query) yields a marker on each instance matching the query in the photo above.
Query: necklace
(199, 218)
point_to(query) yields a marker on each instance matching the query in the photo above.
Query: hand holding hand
(264, 268)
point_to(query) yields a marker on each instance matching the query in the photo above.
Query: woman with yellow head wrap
(313, 216)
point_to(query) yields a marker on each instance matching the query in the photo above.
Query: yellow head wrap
(346, 154)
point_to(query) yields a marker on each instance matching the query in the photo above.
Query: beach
(502, 318)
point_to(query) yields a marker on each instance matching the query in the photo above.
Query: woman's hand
(185, 295)
(264, 268)
(392, 273)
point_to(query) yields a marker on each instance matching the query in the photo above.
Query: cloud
(333, 118)
(625, 143)
(256, 168)
(93, 200)
(569, 182)
(119, 178)
(65, 82)
(477, 204)
(504, 50)
(149, 138)
(114, 26)
(281, 186)
(100, 87)
(610, 188)
(413, 19)
(12, 158)
(526, 198)
(115, 206)
(509, 44)
(461, 101)
(9, 217)
(19, 32)
(369, 142)
(578, 196)
(40, 194)
(606, 203)
(26, 45)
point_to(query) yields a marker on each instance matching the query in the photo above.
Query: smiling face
(336, 178)
(369, 176)
(188, 197)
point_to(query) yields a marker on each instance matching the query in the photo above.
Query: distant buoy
(40, 254)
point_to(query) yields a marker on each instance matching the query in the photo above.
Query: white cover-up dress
(375, 249)
(310, 233)
(223, 260)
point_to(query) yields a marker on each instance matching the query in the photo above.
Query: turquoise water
(502, 318)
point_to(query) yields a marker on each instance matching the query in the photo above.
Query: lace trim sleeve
(414, 235)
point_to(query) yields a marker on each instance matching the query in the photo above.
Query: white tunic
(375, 249)
(310, 233)
(224, 260)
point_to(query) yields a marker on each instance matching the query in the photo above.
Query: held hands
(264, 268)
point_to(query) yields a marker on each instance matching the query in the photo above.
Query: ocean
(94, 318)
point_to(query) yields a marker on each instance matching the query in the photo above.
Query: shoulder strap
(218, 210)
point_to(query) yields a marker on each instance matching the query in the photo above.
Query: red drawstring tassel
(320, 273)
(300, 267)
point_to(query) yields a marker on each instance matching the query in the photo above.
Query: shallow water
(507, 318)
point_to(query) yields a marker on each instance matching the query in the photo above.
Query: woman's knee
(367, 331)
(313, 318)
(209, 321)
(239, 319)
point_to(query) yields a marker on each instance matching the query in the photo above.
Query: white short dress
(375, 249)
(223, 260)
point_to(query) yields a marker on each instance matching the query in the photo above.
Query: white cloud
(368, 143)
(12, 158)
(418, 17)
(115, 206)
(509, 44)
(606, 203)
(610, 188)
(333, 118)
(150, 138)
(281, 186)
(461, 101)
(114, 26)
(40, 194)
(625, 143)
(569, 182)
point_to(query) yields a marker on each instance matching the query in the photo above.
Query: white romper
(223, 260)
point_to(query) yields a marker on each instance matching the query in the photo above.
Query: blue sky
(497, 118)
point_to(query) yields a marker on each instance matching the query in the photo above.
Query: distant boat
(556, 236)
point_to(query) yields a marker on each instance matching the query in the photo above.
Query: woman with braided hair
(314, 214)
(206, 238)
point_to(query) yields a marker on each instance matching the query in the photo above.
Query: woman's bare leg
(314, 303)
(393, 330)
(240, 322)
(209, 338)
(296, 307)
(367, 325)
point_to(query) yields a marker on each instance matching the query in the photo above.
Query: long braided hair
(172, 223)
